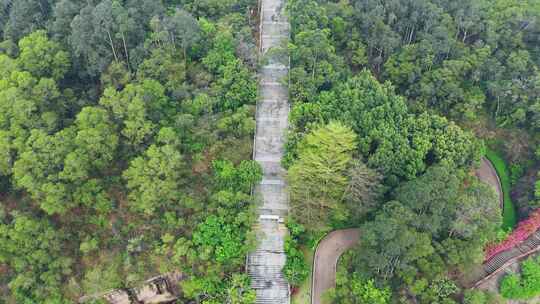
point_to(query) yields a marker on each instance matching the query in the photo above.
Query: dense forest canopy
(126, 131)
(393, 104)
(125, 136)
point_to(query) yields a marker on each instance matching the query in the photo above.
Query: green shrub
(475, 296)
(296, 270)
(525, 285)
(516, 172)
(353, 288)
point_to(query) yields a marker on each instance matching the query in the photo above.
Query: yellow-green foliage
(524, 286)
(318, 179)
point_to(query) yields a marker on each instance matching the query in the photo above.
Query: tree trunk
(497, 109)
(313, 68)
(125, 49)
(112, 46)
(173, 41)
(411, 35)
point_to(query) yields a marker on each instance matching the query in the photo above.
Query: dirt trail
(325, 260)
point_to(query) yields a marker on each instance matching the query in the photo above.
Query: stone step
(268, 198)
(272, 41)
(272, 5)
(269, 158)
(272, 28)
(269, 148)
(272, 119)
(281, 210)
(272, 83)
(275, 66)
(278, 76)
(272, 15)
(267, 271)
(282, 102)
(276, 93)
(263, 284)
(279, 23)
(272, 182)
(268, 258)
(266, 263)
(271, 129)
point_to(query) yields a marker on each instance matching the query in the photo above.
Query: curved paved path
(325, 260)
(487, 174)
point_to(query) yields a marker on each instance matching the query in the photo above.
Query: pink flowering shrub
(523, 230)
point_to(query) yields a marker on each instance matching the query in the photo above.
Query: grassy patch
(303, 294)
(509, 210)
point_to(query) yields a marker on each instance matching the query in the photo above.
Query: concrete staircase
(265, 264)
(502, 260)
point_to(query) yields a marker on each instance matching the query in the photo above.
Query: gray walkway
(487, 174)
(326, 259)
(265, 264)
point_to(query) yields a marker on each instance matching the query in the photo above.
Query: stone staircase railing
(506, 258)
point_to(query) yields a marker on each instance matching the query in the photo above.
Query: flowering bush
(524, 229)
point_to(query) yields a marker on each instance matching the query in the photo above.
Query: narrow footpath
(326, 258)
(488, 175)
(265, 264)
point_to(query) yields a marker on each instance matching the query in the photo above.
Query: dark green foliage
(397, 143)
(215, 8)
(33, 248)
(112, 114)
(441, 219)
(296, 269)
(459, 57)
(112, 31)
(20, 18)
(396, 73)
(241, 178)
(354, 289)
(475, 296)
(155, 179)
(218, 240)
(455, 57)
(237, 87)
